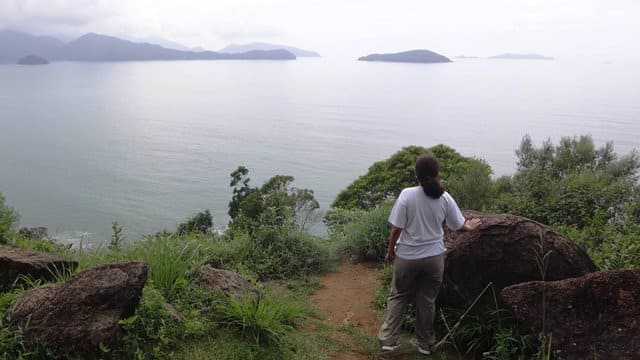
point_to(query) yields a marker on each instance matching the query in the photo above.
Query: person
(416, 252)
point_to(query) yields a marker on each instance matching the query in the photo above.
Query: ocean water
(147, 144)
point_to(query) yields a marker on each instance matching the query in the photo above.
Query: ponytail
(432, 187)
(427, 169)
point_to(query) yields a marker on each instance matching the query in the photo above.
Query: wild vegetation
(589, 193)
(8, 219)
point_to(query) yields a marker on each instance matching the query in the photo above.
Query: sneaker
(391, 347)
(422, 349)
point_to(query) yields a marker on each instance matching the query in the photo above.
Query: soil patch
(347, 299)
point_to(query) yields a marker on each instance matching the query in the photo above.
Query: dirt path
(346, 299)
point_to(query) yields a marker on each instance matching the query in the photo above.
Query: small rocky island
(509, 56)
(32, 60)
(413, 56)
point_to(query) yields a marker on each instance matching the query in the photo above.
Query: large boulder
(226, 281)
(37, 265)
(82, 313)
(596, 316)
(505, 250)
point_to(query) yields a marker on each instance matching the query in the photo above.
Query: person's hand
(472, 224)
(390, 256)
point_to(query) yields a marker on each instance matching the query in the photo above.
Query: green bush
(152, 333)
(467, 179)
(8, 219)
(609, 246)
(275, 203)
(572, 183)
(201, 223)
(273, 252)
(149, 330)
(362, 234)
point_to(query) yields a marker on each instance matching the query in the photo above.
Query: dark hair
(427, 169)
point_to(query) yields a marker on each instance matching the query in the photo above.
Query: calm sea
(147, 144)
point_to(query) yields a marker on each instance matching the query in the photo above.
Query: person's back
(421, 217)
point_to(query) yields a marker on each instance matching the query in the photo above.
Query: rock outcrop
(82, 313)
(37, 265)
(596, 316)
(227, 281)
(505, 250)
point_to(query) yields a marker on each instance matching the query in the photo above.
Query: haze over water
(149, 143)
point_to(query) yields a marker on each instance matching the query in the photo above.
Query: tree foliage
(467, 179)
(200, 223)
(571, 183)
(8, 219)
(275, 203)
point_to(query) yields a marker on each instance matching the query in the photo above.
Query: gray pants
(421, 277)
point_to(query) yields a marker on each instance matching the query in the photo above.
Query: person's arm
(470, 225)
(393, 238)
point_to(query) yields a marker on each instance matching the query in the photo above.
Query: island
(412, 56)
(510, 56)
(32, 60)
(240, 48)
(95, 47)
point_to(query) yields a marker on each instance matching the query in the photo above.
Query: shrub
(201, 223)
(34, 233)
(273, 252)
(363, 234)
(609, 246)
(385, 179)
(152, 332)
(149, 330)
(8, 219)
(571, 183)
(275, 203)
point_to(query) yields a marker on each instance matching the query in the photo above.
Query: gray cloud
(55, 16)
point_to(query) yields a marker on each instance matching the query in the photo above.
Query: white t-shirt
(421, 219)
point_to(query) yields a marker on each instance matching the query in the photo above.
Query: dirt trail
(346, 299)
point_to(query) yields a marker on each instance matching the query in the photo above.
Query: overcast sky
(598, 29)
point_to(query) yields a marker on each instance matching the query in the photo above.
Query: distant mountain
(238, 48)
(32, 60)
(95, 47)
(509, 56)
(14, 45)
(413, 56)
(166, 43)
